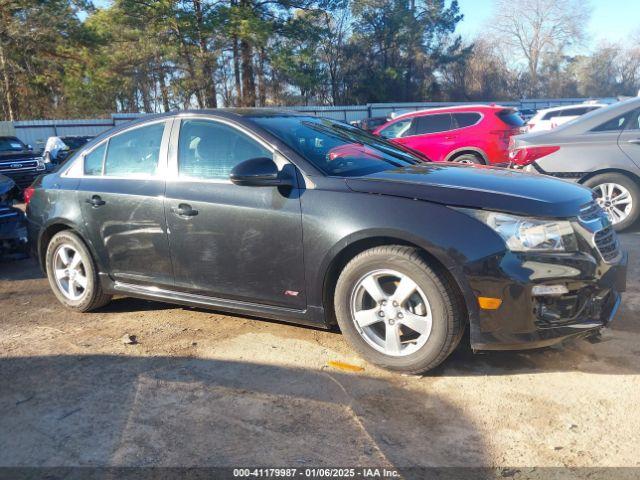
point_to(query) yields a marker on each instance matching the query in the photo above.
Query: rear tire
(468, 158)
(433, 295)
(72, 273)
(608, 187)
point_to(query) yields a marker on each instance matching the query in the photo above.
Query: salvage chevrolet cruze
(317, 222)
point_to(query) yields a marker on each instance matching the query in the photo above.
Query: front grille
(591, 212)
(18, 165)
(606, 242)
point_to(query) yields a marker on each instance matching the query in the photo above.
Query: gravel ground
(202, 388)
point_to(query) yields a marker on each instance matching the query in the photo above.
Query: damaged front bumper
(581, 292)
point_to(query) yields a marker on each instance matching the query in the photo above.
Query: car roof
(574, 105)
(242, 115)
(588, 121)
(454, 108)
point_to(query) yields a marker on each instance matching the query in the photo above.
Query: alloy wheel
(70, 272)
(615, 200)
(391, 312)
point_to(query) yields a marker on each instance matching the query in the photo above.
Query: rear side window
(550, 115)
(134, 152)
(433, 124)
(93, 161)
(398, 129)
(511, 118)
(210, 150)
(466, 119)
(615, 124)
(572, 112)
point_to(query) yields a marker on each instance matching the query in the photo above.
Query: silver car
(600, 150)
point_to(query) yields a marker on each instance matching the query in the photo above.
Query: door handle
(95, 201)
(184, 210)
(635, 141)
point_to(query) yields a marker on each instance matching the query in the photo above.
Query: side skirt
(313, 316)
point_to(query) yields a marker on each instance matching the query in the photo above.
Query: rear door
(432, 135)
(121, 193)
(228, 241)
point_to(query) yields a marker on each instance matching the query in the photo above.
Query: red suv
(467, 134)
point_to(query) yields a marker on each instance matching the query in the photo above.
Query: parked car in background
(600, 150)
(527, 113)
(19, 162)
(248, 211)
(13, 227)
(396, 113)
(466, 134)
(550, 118)
(370, 124)
(58, 149)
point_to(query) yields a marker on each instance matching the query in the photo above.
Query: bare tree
(534, 28)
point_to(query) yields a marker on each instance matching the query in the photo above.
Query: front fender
(453, 238)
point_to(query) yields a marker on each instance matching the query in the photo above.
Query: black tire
(447, 307)
(468, 158)
(93, 296)
(630, 185)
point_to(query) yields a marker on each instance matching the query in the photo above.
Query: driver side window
(209, 150)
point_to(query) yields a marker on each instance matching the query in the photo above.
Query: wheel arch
(603, 171)
(350, 250)
(467, 150)
(51, 229)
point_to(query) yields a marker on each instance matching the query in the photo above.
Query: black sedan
(317, 222)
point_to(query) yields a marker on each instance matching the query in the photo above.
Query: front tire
(72, 273)
(397, 311)
(619, 196)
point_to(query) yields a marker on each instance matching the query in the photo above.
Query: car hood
(478, 187)
(16, 155)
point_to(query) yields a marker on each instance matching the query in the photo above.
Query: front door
(629, 139)
(228, 241)
(121, 196)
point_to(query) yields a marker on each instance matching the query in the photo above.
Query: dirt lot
(208, 389)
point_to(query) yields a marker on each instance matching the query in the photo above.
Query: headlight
(41, 163)
(526, 234)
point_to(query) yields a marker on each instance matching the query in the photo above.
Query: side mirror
(259, 172)
(29, 147)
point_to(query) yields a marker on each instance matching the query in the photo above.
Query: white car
(552, 117)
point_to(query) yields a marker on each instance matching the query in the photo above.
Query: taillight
(525, 155)
(27, 194)
(502, 133)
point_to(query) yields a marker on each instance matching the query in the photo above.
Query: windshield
(336, 148)
(11, 144)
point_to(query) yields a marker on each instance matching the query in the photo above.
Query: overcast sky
(611, 20)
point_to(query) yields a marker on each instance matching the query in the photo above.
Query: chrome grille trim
(606, 242)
